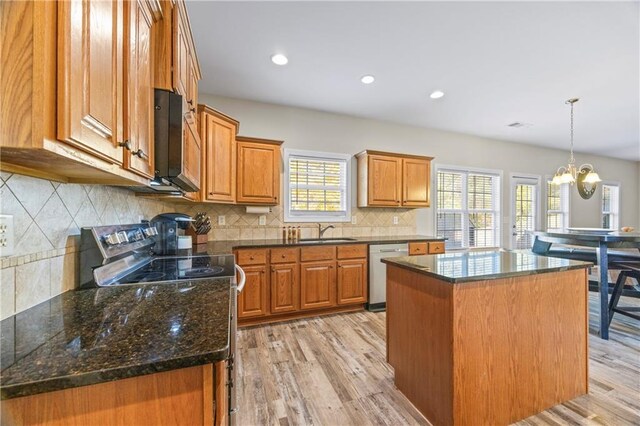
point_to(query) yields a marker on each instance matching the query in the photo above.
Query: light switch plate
(395, 220)
(262, 220)
(354, 220)
(7, 242)
(221, 220)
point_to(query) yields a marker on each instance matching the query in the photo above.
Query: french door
(525, 197)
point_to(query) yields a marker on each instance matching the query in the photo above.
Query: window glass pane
(480, 192)
(317, 185)
(450, 226)
(481, 230)
(449, 190)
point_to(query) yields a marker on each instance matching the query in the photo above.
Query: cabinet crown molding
(392, 154)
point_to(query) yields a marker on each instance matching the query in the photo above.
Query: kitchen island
(487, 338)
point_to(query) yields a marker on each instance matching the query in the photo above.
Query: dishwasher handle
(393, 251)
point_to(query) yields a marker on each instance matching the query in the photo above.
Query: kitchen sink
(324, 240)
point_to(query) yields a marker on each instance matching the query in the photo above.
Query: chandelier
(584, 174)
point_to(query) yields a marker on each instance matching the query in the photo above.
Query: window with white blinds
(557, 206)
(317, 186)
(468, 208)
(610, 206)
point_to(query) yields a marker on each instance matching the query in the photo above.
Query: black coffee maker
(168, 226)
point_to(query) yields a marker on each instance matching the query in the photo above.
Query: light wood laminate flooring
(331, 371)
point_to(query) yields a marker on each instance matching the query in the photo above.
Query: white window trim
(567, 212)
(326, 217)
(461, 169)
(618, 213)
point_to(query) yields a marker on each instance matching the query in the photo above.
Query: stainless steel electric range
(118, 255)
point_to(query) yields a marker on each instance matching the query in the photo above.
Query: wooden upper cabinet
(138, 88)
(90, 71)
(218, 133)
(385, 175)
(192, 150)
(416, 173)
(176, 63)
(393, 180)
(258, 171)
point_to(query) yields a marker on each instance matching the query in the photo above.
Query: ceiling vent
(519, 124)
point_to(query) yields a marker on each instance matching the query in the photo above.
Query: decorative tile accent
(54, 220)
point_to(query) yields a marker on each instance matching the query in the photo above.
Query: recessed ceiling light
(436, 94)
(367, 79)
(279, 59)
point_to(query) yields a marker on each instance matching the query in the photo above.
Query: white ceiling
(497, 62)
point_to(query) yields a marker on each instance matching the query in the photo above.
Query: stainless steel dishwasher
(378, 272)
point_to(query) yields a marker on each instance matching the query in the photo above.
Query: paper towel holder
(258, 209)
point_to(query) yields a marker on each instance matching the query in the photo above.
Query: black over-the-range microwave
(169, 144)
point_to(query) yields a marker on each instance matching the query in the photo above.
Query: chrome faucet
(322, 230)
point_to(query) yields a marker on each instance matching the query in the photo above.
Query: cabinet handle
(139, 153)
(193, 110)
(190, 101)
(211, 193)
(126, 145)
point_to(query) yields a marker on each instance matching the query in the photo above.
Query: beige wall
(315, 130)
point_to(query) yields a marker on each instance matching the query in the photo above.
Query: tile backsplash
(48, 216)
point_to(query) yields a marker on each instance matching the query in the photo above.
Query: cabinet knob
(250, 257)
(139, 153)
(126, 145)
(283, 256)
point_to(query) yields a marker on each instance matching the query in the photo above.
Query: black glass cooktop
(182, 268)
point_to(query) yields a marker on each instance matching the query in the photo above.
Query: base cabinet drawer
(317, 285)
(416, 249)
(436, 247)
(285, 288)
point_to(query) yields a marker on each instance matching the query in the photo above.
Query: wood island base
(487, 352)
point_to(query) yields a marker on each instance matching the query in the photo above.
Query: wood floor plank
(332, 370)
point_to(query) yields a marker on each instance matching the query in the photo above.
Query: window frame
(566, 204)
(465, 211)
(615, 215)
(319, 216)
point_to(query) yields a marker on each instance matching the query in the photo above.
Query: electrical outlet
(6, 235)
(140, 218)
(262, 220)
(221, 220)
(354, 220)
(395, 220)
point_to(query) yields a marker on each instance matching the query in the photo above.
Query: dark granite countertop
(91, 336)
(484, 265)
(219, 247)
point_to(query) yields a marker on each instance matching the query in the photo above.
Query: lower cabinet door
(285, 288)
(317, 285)
(352, 281)
(252, 302)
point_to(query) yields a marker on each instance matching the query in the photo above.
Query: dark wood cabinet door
(252, 302)
(352, 281)
(318, 285)
(285, 288)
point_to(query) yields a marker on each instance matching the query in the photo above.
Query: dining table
(605, 255)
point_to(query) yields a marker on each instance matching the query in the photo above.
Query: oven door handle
(243, 278)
